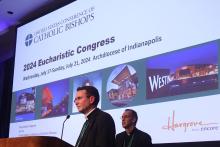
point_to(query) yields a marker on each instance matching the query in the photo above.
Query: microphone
(67, 117)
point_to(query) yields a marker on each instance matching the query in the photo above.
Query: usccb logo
(28, 39)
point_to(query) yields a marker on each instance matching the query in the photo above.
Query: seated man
(132, 137)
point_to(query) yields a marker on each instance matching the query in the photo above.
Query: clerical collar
(86, 115)
(132, 132)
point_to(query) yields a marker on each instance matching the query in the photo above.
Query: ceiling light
(10, 12)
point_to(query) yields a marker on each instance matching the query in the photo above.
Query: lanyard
(130, 141)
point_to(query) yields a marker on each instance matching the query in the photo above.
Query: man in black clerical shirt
(99, 127)
(132, 137)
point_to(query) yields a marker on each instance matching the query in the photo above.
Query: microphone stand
(67, 117)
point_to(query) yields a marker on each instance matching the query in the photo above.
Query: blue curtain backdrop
(6, 78)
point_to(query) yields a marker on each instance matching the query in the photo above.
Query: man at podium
(99, 127)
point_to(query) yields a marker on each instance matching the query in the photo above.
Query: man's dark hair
(134, 114)
(91, 91)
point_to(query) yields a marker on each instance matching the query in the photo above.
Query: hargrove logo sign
(189, 125)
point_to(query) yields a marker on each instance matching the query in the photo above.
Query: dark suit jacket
(100, 131)
(141, 139)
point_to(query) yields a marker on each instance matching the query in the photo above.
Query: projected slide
(160, 58)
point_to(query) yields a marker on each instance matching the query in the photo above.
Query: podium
(34, 141)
